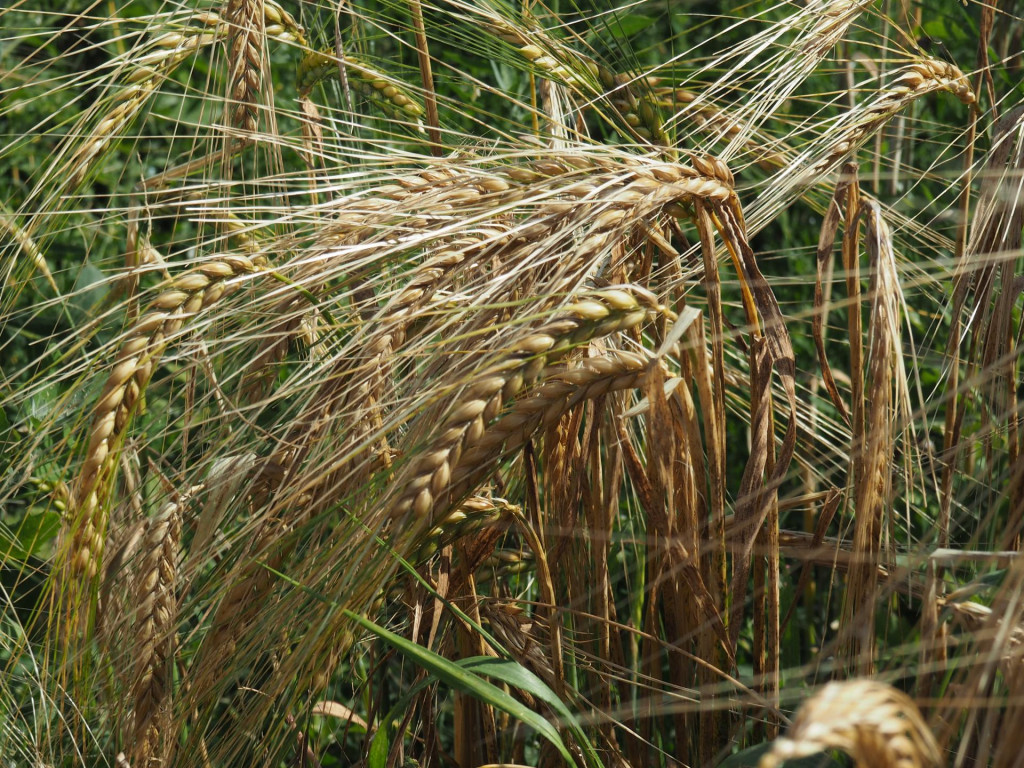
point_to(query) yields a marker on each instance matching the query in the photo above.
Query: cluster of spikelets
(872, 722)
(454, 362)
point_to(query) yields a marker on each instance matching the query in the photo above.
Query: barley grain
(429, 478)
(917, 79)
(245, 21)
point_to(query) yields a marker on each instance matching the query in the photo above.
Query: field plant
(403, 383)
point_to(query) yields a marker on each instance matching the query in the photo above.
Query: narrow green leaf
(515, 674)
(379, 747)
(467, 682)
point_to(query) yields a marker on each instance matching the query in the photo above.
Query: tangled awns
(484, 384)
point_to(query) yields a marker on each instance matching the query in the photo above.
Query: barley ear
(246, 37)
(154, 639)
(877, 725)
(140, 353)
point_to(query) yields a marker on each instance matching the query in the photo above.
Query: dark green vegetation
(476, 384)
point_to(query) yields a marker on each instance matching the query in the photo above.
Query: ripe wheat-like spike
(28, 247)
(640, 185)
(140, 83)
(245, 60)
(140, 353)
(451, 471)
(270, 546)
(473, 514)
(149, 70)
(156, 612)
(593, 200)
(316, 66)
(592, 378)
(850, 132)
(714, 120)
(829, 25)
(877, 725)
(430, 478)
(915, 80)
(582, 74)
(357, 383)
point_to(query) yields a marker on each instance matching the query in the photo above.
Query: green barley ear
(381, 89)
(639, 114)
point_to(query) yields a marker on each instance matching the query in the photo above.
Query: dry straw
(888, 405)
